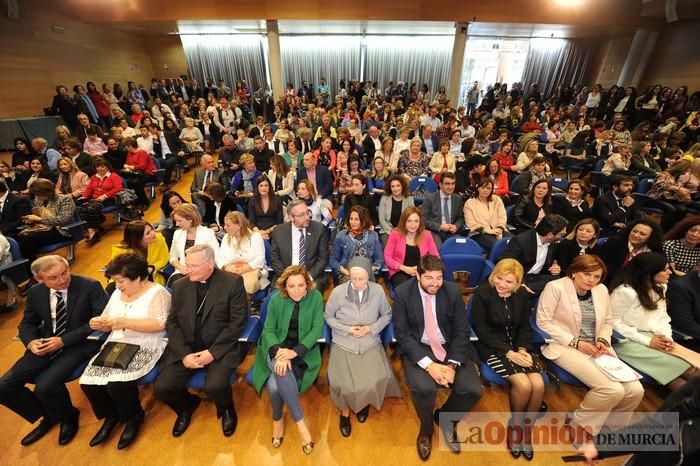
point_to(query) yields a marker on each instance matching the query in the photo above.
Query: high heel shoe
(277, 441)
(308, 448)
(512, 444)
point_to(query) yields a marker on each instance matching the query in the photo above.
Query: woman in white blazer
(575, 311)
(189, 232)
(242, 251)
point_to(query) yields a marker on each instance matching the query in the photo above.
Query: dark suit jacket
(434, 139)
(526, 212)
(368, 148)
(489, 321)
(684, 304)
(254, 132)
(86, 299)
(568, 250)
(409, 323)
(214, 132)
(262, 159)
(607, 212)
(13, 210)
(84, 162)
(223, 319)
(523, 248)
(304, 147)
(432, 211)
(316, 248)
(324, 181)
(562, 207)
(227, 205)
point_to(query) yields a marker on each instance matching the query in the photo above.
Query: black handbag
(116, 354)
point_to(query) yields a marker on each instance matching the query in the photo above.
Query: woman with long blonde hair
(242, 251)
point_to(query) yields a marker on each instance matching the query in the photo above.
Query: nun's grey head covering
(361, 262)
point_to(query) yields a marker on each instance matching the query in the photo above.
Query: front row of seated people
(207, 313)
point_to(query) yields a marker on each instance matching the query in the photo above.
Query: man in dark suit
(12, 209)
(429, 142)
(301, 241)
(208, 173)
(319, 176)
(54, 330)
(261, 154)
(432, 333)
(443, 223)
(304, 143)
(195, 91)
(616, 208)
(536, 251)
(371, 144)
(684, 305)
(204, 324)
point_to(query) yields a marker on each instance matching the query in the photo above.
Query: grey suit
(316, 250)
(197, 186)
(432, 213)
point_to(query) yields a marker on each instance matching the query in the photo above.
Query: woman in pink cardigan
(407, 243)
(575, 311)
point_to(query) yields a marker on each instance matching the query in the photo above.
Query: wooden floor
(387, 438)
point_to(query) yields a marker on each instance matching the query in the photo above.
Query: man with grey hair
(54, 330)
(301, 241)
(41, 147)
(207, 317)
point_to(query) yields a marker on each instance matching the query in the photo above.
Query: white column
(460, 44)
(505, 67)
(275, 59)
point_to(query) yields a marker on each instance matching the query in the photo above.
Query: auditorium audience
(533, 207)
(101, 192)
(485, 216)
(583, 239)
(644, 235)
(616, 208)
(357, 239)
(573, 206)
(395, 200)
(442, 210)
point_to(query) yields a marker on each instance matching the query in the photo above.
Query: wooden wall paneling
(676, 59)
(166, 50)
(613, 61)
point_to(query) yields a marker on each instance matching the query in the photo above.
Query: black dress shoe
(69, 427)
(363, 414)
(229, 421)
(345, 426)
(39, 431)
(105, 432)
(131, 431)
(448, 433)
(183, 419)
(424, 444)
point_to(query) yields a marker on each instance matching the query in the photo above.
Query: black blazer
(223, 319)
(613, 253)
(683, 298)
(209, 218)
(526, 213)
(409, 324)
(86, 299)
(316, 248)
(368, 148)
(174, 144)
(568, 250)
(607, 212)
(489, 321)
(262, 158)
(13, 210)
(304, 147)
(523, 248)
(214, 133)
(562, 207)
(265, 220)
(84, 162)
(324, 181)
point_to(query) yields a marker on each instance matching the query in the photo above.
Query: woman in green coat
(288, 358)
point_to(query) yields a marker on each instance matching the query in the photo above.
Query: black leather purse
(116, 354)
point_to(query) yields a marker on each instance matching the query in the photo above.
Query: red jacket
(506, 161)
(109, 186)
(141, 161)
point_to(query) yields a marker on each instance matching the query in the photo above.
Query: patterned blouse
(683, 258)
(587, 318)
(414, 168)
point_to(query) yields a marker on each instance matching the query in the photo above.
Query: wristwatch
(453, 365)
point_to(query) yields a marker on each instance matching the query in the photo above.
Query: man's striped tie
(302, 247)
(61, 315)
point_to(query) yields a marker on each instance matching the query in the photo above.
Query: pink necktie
(431, 330)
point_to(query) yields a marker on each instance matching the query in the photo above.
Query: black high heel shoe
(513, 446)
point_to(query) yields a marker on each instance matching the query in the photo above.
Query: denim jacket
(345, 248)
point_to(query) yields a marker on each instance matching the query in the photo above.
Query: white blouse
(252, 252)
(630, 317)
